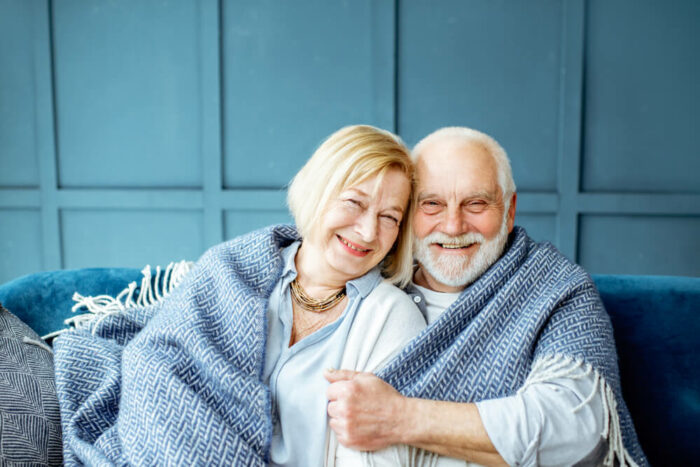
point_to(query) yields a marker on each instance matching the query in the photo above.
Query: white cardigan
(384, 322)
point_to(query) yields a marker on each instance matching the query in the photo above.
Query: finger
(335, 426)
(333, 375)
(337, 390)
(332, 410)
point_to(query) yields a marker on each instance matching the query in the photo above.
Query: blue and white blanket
(531, 317)
(177, 382)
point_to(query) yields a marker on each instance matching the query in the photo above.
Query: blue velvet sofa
(656, 322)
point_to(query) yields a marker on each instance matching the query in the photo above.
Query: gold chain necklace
(314, 304)
(303, 326)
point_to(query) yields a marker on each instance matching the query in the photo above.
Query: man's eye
(430, 206)
(477, 205)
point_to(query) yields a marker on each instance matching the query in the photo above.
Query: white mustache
(460, 240)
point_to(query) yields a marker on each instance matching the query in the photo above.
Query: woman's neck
(313, 273)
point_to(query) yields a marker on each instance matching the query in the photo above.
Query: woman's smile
(353, 248)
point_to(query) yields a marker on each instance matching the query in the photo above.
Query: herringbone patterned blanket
(177, 382)
(531, 305)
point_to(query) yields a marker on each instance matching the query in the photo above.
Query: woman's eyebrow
(358, 191)
(394, 208)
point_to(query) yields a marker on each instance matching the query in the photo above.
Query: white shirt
(537, 426)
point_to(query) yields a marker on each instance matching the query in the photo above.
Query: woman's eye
(390, 220)
(353, 202)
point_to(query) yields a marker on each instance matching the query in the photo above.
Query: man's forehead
(466, 167)
(455, 152)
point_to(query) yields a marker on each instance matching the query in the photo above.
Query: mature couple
(286, 346)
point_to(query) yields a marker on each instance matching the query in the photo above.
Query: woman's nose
(367, 226)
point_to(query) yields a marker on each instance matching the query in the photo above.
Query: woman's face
(362, 224)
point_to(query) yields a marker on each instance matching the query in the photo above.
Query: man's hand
(364, 412)
(368, 414)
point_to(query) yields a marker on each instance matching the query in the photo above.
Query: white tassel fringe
(40, 344)
(100, 307)
(556, 366)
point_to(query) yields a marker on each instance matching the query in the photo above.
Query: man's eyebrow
(482, 194)
(424, 196)
(479, 194)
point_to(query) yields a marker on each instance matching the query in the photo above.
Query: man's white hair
(469, 135)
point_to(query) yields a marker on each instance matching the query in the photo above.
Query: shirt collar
(361, 286)
(288, 254)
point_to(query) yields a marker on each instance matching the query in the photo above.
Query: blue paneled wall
(143, 131)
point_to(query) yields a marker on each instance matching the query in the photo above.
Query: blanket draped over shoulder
(178, 382)
(532, 310)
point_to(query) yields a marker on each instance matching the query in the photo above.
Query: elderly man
(518, 362)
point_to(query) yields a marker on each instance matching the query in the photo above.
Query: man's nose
(367, 226)
(454, 222)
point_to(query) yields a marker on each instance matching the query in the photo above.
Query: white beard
(460, 271)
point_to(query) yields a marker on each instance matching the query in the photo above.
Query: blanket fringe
(552, 367)
(151, 291)
(40, 344)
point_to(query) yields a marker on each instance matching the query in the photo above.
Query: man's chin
(452, 278)
(456, 270)
(451, 269)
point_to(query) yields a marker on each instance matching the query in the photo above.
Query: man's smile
(454, 246)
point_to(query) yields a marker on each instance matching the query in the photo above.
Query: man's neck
(424, 279)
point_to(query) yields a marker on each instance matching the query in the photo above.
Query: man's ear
(511, 212)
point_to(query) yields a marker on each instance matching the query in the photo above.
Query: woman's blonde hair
(350, 156)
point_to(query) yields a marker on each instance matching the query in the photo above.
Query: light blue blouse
(295, 374)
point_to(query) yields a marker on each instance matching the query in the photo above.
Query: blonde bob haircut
(350, 156)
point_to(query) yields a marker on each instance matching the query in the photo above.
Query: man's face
(460, 223)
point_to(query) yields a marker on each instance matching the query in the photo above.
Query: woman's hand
(365, 412)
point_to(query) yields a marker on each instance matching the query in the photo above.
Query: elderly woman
(228, 369)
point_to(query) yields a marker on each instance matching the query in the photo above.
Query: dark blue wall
(136, 132)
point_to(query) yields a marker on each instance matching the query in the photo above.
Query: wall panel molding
(267, 84)
(570, 108)
(211, 60)
(46, 134)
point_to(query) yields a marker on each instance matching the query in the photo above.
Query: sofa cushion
(656, 322)
(30, 424)
(44, 300)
